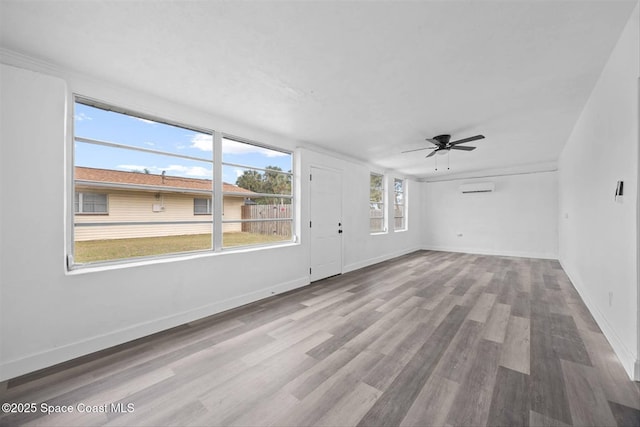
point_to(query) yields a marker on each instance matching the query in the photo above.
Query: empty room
(319, 213)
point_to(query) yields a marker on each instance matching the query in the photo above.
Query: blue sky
(95, 123)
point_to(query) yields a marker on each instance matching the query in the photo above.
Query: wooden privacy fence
(376, 220)
(265, 213)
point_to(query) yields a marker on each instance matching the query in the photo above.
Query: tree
(272, 181)
(375, 188)
(251, 180)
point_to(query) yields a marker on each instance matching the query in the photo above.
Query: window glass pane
(376, 203)
(376, 188)
(376, 218)
(398, 184)
(246, 154)
(150, 197)
(399, 204)
(109, 126)
(152, 164)
(249, 172)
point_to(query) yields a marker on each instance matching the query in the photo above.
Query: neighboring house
(112, 204)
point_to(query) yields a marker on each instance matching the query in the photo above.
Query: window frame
(383, 192)
(405, 225)
(216, 194)
(291, 197)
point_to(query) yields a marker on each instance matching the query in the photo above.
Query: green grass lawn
(102, 250)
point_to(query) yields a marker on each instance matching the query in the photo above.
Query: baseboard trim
(361, 264)
(517, 254)
(34, 362)
(629, 362)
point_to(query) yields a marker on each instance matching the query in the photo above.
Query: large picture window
(257, 194)
(376, 203)
(399, 204)
(145, 187)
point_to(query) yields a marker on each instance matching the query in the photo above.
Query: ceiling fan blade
(463, 148)
(419, 149)
(432, 153)
(462, 141)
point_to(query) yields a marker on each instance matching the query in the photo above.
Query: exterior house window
(202, 206)
(90, 203)
(376, 203)
(399, 204)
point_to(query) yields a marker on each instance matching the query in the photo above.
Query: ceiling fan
(443, 144)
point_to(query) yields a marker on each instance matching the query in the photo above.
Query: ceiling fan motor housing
(442, 139)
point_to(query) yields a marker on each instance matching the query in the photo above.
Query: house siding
(135, 210)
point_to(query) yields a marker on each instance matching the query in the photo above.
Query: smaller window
(399, 205)
(376, 204)
(202, 206)
(90, 203)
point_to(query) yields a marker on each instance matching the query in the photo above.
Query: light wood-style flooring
(430, 338)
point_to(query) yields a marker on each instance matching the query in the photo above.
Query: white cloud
(81, 117)
(233, 147)
(239, 172)
(150, 144)
(202, 141)
(175, 170)
(195, 171)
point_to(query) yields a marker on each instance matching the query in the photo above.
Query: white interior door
(326, 223)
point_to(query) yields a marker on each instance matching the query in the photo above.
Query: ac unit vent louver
(477, 187)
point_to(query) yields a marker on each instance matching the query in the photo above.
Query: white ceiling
(367, 79)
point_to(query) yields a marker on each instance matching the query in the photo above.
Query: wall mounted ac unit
(478, 187)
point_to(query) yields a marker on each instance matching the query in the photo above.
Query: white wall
(519, 218)
(598, 246)
(48, 315)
